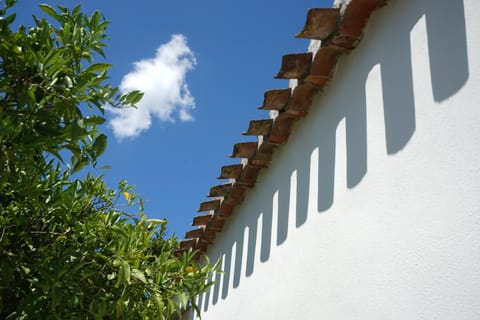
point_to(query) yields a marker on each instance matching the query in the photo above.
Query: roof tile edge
(312, 70)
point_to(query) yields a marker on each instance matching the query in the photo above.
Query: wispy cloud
(166, 94)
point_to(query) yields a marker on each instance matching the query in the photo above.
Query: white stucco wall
(372, 209)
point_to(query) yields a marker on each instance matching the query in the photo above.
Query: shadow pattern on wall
(251, 238)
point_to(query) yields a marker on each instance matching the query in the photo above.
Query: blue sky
(204, 66)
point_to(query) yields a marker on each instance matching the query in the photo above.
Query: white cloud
(166, 94)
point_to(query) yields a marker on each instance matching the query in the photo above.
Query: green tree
(67, 249)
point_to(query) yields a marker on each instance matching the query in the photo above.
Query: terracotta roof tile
(323, 64)
(220, 190)
(301, 99)
(259, 127)
(209, 205)
(354, 20)
(195, 233)
(281, 128)
(295, 66)
(275, 99)
(236, 195)
(226, 209)
(321, 23)
(339, 34)
(208, 236)
(231, 172)
(244, 150)
(216, 224)
(201, 220)
(185, 244)
(264, 154)
(249, 175)
(202, 246)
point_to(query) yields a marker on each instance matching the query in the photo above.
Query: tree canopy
(69, 246)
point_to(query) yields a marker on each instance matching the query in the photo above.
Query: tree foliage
(67, 249)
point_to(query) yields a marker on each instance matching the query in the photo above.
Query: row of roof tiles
(339, 34)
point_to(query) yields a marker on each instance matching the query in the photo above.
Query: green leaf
(133, 97)
(98, 67)
(47, 130)
(117, 263)
(51, 12)
(95, 19)
(57, 155)
(157, 300)
(139, 275)
(124, 274)
(51, 58)
(31, 95)
(99, 51)
(156, 221)
(76, 131)
(69, 81)
(17, 49)
(93, 120)
(121, 308)
(26, 270)
(9, 19)
(79, 165)
(100, 144)
(183, 299)
(76, 10)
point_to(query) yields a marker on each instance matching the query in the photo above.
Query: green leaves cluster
(48, 74)
(68, 247)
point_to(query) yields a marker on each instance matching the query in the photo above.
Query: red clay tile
(301, 99)
(323, 64)
(226, 209)
(221, 190)
(259, 127)
(275, 99)
(281, 128)
(202, 245)
(244, 150)
(231, 172)
(186, 244)
(237, 195)
(201, 220)
(354, 20)
(295, 66)
(249, 176)
(209, 205)
(208, 236)
(264, 154)
(320, 24)
(217, 222)
(195, 233)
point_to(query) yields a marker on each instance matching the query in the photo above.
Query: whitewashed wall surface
(371, 210)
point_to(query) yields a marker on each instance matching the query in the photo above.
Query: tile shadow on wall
(253, 237)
